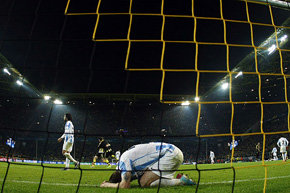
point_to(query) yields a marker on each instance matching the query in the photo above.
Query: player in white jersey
(274, 152)
(283, 143)
(211, 155)
(117, 155)
(68, 137)
(141, 162)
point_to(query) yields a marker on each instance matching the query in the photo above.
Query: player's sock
(94, 160)
(166, 182)
(77, 165)
(68, 155)
(186, 181)
(67, 162)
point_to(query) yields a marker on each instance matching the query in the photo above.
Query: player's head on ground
(67, 117)
(115, 177)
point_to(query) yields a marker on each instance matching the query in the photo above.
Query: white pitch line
(255, 179)
(91, 185)
(47, 183)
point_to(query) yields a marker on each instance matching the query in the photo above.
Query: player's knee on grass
(147, 178)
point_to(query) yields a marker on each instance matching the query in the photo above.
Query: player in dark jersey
(104, 152)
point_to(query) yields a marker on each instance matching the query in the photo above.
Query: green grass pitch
(25, 178)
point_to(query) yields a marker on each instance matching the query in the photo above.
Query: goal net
(215, 76)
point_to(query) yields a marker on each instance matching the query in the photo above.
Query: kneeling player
(274, 152)
(141, 162)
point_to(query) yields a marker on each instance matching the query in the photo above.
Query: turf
(25, 178)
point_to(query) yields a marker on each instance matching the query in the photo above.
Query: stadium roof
(53, 53)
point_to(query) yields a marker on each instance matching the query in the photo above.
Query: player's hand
(59, 139)
(104, 184)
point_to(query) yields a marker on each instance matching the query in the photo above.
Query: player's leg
(66, 153)
(67, 162)
(94, 160)
(106, 158)
(151, 179)
(283, 151)
(165, 170)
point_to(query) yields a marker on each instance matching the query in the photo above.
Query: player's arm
(125, 183)
(66, 127)
(60, 139)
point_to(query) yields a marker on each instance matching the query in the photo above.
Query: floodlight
(283, 38)
(19, 82)
(225, 85)
(46, 97)
(196, 99)
(57, 102)
(6, 71)
(239, 74)
(185, 103)
(271, 49)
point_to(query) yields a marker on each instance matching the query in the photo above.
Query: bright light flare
(239, 74)
(185, 103)
(283, 38)
(196, 99)
(271, 49)
(46, 97)
(225, 86)
(5, 70)
(19, 82)
(57, 102)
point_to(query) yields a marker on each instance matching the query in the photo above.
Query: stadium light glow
(5, 70)
(196, 99)
(19, 82)
(283, 38)
(239, 74)
(225, 85)
(185, 103)
(57, 102)
(271, 49)
(46, 97)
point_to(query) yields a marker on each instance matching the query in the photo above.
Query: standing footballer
(283, 143)
(68, 137)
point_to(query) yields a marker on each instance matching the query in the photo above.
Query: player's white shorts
(283, 149)
(274, 154)
(67, 146)
(170, 161)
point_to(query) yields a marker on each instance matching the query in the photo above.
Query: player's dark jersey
(104, 148)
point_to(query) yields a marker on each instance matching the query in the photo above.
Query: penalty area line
(91, 185)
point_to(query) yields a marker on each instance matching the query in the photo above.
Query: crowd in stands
(37, 129)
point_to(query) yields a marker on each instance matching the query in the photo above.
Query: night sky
(56, 54)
